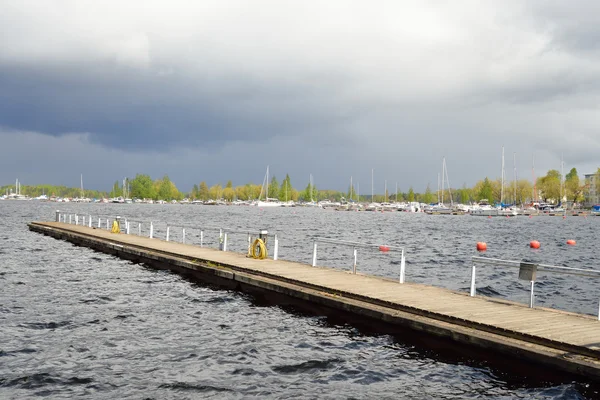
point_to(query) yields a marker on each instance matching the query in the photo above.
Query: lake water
(76, 323)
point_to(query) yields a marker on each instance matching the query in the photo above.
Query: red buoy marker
(571, 242)
(481, 246)
(534, 244)
(384, 248)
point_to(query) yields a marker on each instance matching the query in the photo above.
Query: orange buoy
(534, 244)
(489, 216)
(564, 216)
(481, 246)
(384, 248)
(530, 216)
(571, 242)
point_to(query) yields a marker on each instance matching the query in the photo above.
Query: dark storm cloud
(140, 111)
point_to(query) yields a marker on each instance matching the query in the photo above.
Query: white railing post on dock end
(201, 238)
(402, 266)
(168, 230)
(275, 248)
(70, 218)
(139, 229)
(531, 295)
(220, 239)
(76, 219)
(90, 222)
(107, 224)
(99, 222)
(225, 241)
(83, 221)
(127, 225)
(473, 281)
(182, 235)
(314, 261)
(151, 230)
(355, 251)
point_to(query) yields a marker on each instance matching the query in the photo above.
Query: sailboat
(504, 210)
(267, 201)
(440, 208)
(312, 202)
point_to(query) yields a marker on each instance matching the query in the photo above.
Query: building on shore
(592, 194)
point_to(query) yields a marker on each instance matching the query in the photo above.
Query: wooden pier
(553, 339)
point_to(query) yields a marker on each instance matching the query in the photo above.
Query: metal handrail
(223, 232)
(356, 245)
(556, 269)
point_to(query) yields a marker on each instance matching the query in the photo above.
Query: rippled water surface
(79, 324)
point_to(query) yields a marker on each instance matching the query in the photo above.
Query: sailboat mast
(372, 195)
(443, 171)
(515, 178)
(533, 177)
(448, 183)
(502, 183)
(385, 190)
(562, 177)
(438, 189)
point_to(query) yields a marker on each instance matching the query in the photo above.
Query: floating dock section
(556, 340)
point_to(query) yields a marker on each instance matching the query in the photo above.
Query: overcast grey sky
(218, 90)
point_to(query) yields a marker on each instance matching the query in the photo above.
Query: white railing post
(57, 216)
(225, 241)
(355, 259)
(76, 219)
(275, 248)
(70, 219)
(168, 229)
(220, 239)
(314, 260)
(107, 224)
(473, 281)
(83, 222)
(151, 229)
(139, 229)
(201, 238)
(99, 222)
(182, 235)
(531, 295)
(402, 267)
(90, 222)
(127, 226)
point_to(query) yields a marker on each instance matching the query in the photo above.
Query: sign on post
(527, 271)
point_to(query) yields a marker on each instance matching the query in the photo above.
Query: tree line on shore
(549, 188)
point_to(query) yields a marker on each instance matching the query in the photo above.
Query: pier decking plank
(554, 330)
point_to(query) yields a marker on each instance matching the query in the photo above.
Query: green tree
(166, 190)
(116, 191)
(411, 194)
(228, 194)
(427, 196)
(485, 190)
(273, 188)
(215, 192)
(194, 194)
(573, 188)
(549, 185)
(203, 193)
(142, 187)
(285, 191)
